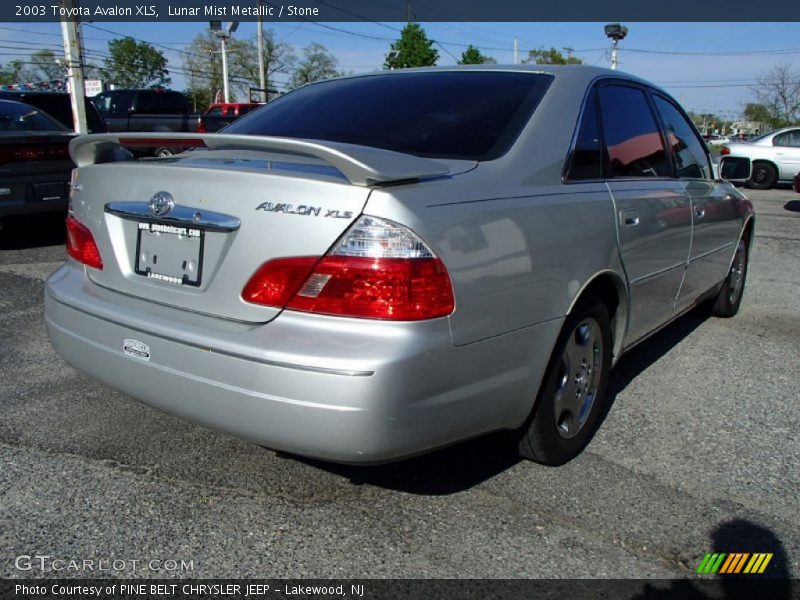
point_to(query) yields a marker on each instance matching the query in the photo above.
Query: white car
(775, 156)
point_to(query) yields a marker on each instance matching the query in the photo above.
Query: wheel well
(748, 231)
(768, 162)
(611, 291)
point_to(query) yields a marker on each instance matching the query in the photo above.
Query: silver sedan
(376, 266)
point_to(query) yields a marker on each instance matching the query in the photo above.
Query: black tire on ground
(729, 298)
(164, 153)
(763, 177)
(572, 393)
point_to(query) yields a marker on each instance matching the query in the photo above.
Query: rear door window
(789, 138)
(633, 141)
(586, 160)
(691, 159)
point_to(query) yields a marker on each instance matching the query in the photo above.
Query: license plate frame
(180, 247)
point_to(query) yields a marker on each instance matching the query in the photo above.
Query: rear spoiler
(361, 165)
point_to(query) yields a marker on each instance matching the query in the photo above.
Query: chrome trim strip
(657, 273)
(271, 363)
(721, 248)
(180, 215)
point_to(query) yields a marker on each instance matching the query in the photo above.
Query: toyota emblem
(161, 203)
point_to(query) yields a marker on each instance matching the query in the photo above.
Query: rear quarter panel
(514, 261)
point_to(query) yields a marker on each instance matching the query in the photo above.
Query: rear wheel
(163, 153)
(763, 177)
(729, 298)
(573, 391)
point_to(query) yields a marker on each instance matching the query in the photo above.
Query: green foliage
(14, 72)
(551, 57)
(473, 56)
(133, 64)
(413, 49)
(45, 67)
(318, 64)
(204, 66)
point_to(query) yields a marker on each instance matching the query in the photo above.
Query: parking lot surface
(699, 452)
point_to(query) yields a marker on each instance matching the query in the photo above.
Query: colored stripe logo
(734, 562)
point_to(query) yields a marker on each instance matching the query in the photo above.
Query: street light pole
(224, 34)
(616, 32)
(225, 92)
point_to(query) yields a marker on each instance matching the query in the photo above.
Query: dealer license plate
(170, 253)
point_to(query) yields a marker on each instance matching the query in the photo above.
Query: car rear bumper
(34, 194)
(345, 390)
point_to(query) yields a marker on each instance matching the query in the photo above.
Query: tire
(729, 298)
(572, 393)
(163, 153)
(763, 177)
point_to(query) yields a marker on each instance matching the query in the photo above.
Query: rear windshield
(470, 115)
(155, 102)
(15, 116)
(60, 107)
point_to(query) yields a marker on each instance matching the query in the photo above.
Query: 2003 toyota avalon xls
(375, 266)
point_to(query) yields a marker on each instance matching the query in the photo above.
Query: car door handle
(629, 218)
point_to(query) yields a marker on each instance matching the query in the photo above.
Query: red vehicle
(219, 115)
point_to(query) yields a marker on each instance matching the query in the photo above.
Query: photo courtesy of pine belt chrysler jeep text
(372, 267)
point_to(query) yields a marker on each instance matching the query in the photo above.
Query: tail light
(81, 245)
(377, 270)
(24, 153)
(725, 151)
(201, 126)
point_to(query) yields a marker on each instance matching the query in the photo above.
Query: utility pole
(262, 76)
(516, 51)
(74, 56)
(569, 52)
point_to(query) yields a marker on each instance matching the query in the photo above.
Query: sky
(707, 67)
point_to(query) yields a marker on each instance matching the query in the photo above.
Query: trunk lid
(232, 211)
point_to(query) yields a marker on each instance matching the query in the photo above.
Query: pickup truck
(223, 114)
(162, 111)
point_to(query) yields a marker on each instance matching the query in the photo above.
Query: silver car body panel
(520, 245)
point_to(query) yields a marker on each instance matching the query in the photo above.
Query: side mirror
(735, 169)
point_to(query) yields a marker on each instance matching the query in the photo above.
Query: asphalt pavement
(699, 452)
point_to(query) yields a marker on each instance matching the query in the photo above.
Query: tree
(279, 57)
(413, 49)
(473, 56)
(319, 64)
(551, 57)
(45, 66)
(779, 91)
(16, 72)
(133, 64)
(203, 66)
